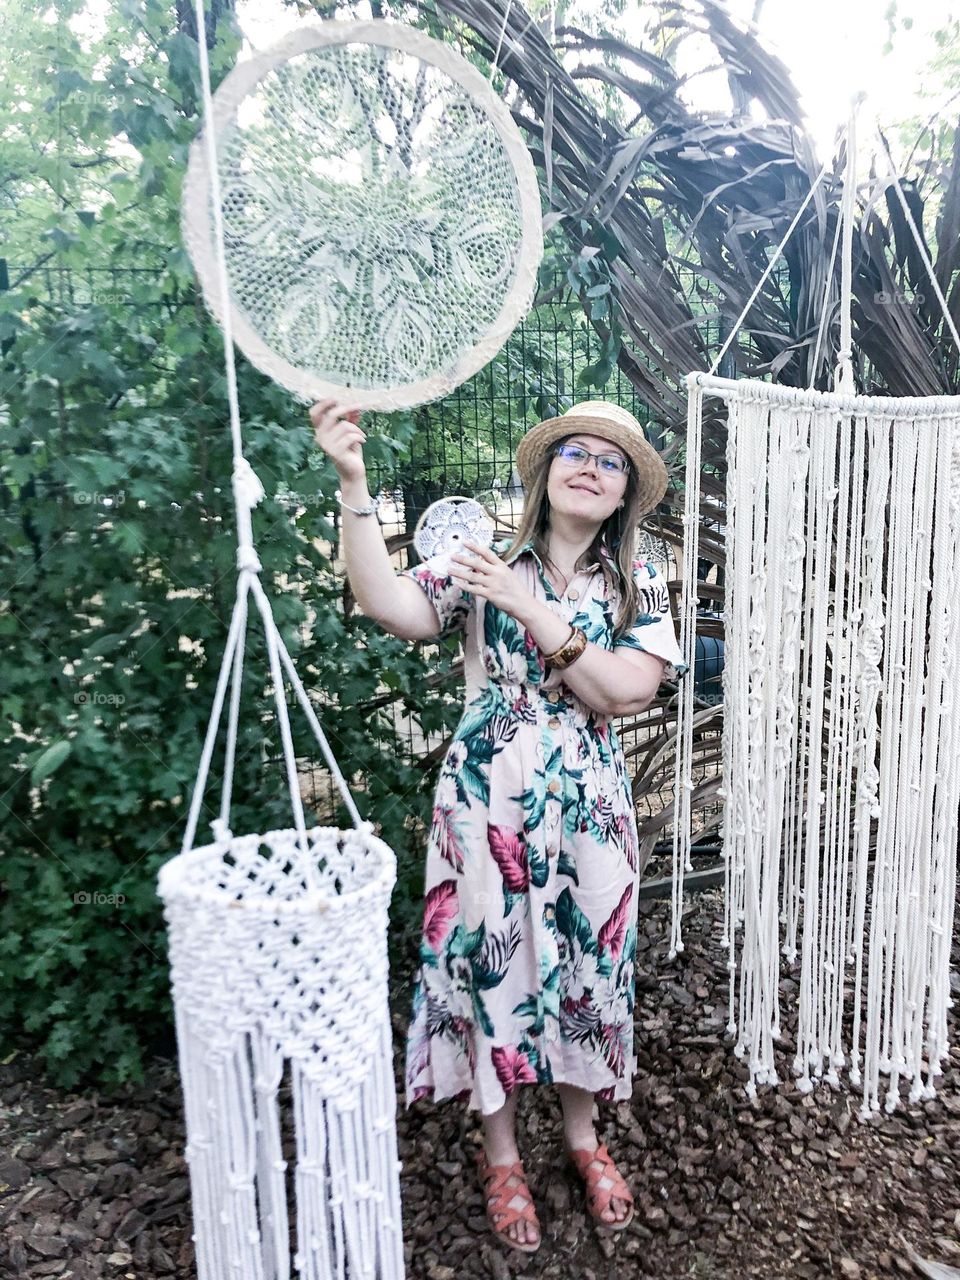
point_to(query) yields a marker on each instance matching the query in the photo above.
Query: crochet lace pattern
(448, 523)
(381, 214)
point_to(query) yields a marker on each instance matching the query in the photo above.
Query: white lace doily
(448, 523)
(380, 211)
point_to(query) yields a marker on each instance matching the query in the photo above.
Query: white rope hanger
(918, 239)
(810, 477)
(259, 924)
(255, 945)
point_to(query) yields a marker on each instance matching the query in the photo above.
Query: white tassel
(257, 982)
(271, 1166)
(247, 486)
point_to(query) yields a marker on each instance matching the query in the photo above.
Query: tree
(117, 547)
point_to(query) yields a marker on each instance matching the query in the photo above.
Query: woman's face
(584, 491)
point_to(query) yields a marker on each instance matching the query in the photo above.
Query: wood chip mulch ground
(784, 1186)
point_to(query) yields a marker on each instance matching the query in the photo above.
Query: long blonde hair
(614, 543)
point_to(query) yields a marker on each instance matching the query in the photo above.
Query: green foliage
(595, 284)
(118, 561)
(117, 537)
(927, 138)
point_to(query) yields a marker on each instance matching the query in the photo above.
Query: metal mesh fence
(466, 444)
(463, 444)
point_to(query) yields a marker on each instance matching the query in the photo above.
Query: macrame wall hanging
(841, 729)
(365, 221)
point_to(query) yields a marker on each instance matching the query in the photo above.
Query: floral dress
(530, 916)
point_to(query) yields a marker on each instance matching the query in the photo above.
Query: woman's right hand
(339, 435)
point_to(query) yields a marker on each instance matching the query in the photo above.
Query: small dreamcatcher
(448, 524)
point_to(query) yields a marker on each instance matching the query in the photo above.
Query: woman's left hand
(485, 574)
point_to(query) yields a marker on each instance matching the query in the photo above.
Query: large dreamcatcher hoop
(381, 214)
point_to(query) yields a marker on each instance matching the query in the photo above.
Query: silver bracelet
(358, 511)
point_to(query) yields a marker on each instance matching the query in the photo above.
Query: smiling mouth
(583, 488)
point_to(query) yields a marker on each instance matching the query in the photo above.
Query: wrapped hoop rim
(197, 226)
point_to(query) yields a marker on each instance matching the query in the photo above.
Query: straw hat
(598, 418)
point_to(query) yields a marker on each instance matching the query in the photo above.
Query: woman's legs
(580, 1134)
(499, 1132)
(500, 1144)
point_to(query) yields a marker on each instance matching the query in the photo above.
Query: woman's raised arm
(397, 604)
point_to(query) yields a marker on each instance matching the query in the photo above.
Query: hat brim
(651, 474)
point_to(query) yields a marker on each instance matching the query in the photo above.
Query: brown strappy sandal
(498, 1195)
(604, 1183)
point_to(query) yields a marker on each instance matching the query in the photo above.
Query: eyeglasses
(611, 464)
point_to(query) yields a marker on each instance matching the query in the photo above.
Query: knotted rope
(809, 767)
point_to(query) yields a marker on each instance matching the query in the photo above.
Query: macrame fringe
(346, 1185)
(841, 732)
(348, 1219)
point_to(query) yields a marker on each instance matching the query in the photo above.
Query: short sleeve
(451, 602)
(653, 630)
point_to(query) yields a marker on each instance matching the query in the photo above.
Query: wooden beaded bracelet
(569, 651)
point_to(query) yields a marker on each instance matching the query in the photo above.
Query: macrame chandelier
(841, 729)
(365, 222)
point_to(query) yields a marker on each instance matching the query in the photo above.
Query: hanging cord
(770, 265)
(503, 32)
(921, 247)
(824, 310)
(843, 375)
(548, 94)
(514, 40)
(248, 491)
(843, 378)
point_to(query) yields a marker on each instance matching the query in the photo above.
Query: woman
(529, 929)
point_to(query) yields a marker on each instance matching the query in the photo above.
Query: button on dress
(528, 946)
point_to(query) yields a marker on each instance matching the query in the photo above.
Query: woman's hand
(484, 574)
(339, 435)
